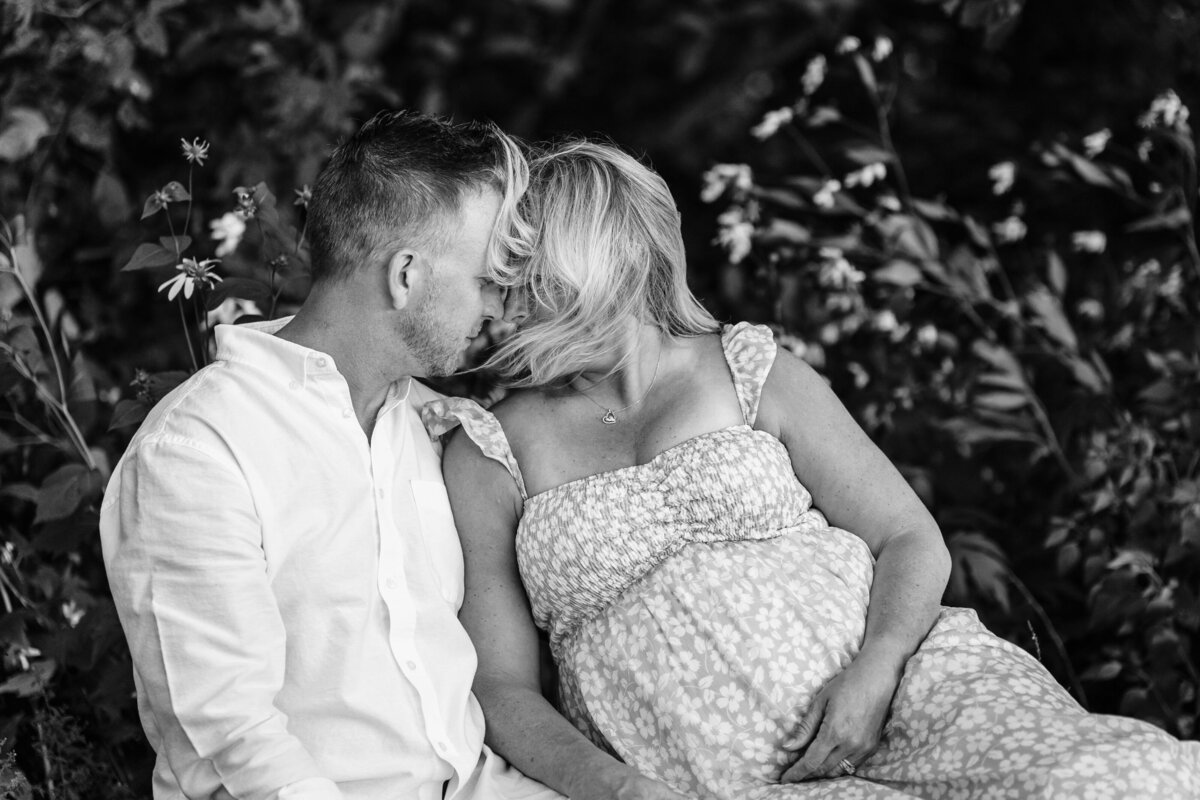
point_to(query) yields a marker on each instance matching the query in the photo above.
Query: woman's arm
(858, 489)
(521, 725)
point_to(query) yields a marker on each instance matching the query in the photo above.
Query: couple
(283, 554)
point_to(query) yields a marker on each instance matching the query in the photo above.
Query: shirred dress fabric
(696, 604)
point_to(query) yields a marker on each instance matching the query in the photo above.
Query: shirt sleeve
(183, 549)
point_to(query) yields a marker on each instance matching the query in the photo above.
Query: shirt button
(442, 747)
(412, 665)
(346, 412)
(321, 362)
(391, 583)
(294, 385)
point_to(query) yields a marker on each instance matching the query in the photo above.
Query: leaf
(783, 230)
(865, 154)
(64, 490)
(970, 432)
(128, 412)
(866, 73)
(1104, 671)
(175, 192)
(148, 256)
(1056, 273)
(1088, 376)
(1001, 401)
(1050, 317)
(1178, 217)
(909, 237)
(898, 272)
(176, 244)
(112, 202)
(32, 682)
(243, 288)
(999, 357)
(1160, 392)
(970, 273)
(152, 34)
(24, 129)
(934, 211)
(977, 561)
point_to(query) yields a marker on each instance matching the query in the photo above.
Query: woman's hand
(845, 721)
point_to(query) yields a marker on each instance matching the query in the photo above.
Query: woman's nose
(516, 309)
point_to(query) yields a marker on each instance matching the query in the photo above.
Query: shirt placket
(393, 586)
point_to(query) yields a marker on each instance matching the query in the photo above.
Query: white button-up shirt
(290, 589)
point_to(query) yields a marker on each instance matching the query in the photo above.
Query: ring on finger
(847, 767)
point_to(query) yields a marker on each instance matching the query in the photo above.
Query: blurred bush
(1029, 357)
(980, 228)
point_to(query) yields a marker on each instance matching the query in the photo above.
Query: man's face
(456, 297)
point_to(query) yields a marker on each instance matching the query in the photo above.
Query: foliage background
(1027, 353)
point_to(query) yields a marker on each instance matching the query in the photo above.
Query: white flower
(861, 378)
(814, 74)
(822, 115)
(1173, 285)
(72, 613)
(735, 234)
(196, 151)
(829, 333)
(1003, 175)
(1168, 109)
(1089, 241)
(192, 273)
(721, 176)
(1090, 309)
(228, 230)
(836, 271)
(771, 122)
(885, 321)
(848, 45)
(867, 175)
(1094, 144)
(23, 655)
(824, 196)
(927, 335)
(889, 202)
(1009, 230)
(883, 48)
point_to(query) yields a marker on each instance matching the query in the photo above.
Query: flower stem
(187, 335)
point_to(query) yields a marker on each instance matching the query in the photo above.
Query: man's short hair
(397, 183)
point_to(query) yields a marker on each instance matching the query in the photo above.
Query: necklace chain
(610, 414)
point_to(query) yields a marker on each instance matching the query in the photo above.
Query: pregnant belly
(720, 648)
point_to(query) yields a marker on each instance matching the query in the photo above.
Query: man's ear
(400, 277)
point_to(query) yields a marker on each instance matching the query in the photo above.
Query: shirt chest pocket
(439, 538)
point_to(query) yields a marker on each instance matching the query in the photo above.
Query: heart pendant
(609, 418)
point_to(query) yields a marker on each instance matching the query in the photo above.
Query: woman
(649, 497)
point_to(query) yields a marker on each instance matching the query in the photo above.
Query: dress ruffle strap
(750, 352)
(445, 414)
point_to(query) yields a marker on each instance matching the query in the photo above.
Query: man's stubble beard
(429, 339)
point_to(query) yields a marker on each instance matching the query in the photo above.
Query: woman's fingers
(808, 725)
(815, 756)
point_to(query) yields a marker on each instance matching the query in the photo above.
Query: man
(277, 536)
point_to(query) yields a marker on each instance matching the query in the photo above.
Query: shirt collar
(256, 344)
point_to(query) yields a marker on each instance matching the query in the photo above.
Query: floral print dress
(696, 603)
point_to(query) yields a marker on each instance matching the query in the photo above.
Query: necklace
(610, 414)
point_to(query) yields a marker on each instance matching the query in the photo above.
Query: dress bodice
(581, 544)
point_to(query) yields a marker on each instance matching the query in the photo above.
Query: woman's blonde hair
(596, 244)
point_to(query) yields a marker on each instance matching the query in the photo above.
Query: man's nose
(516, 309)
(493, 303)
